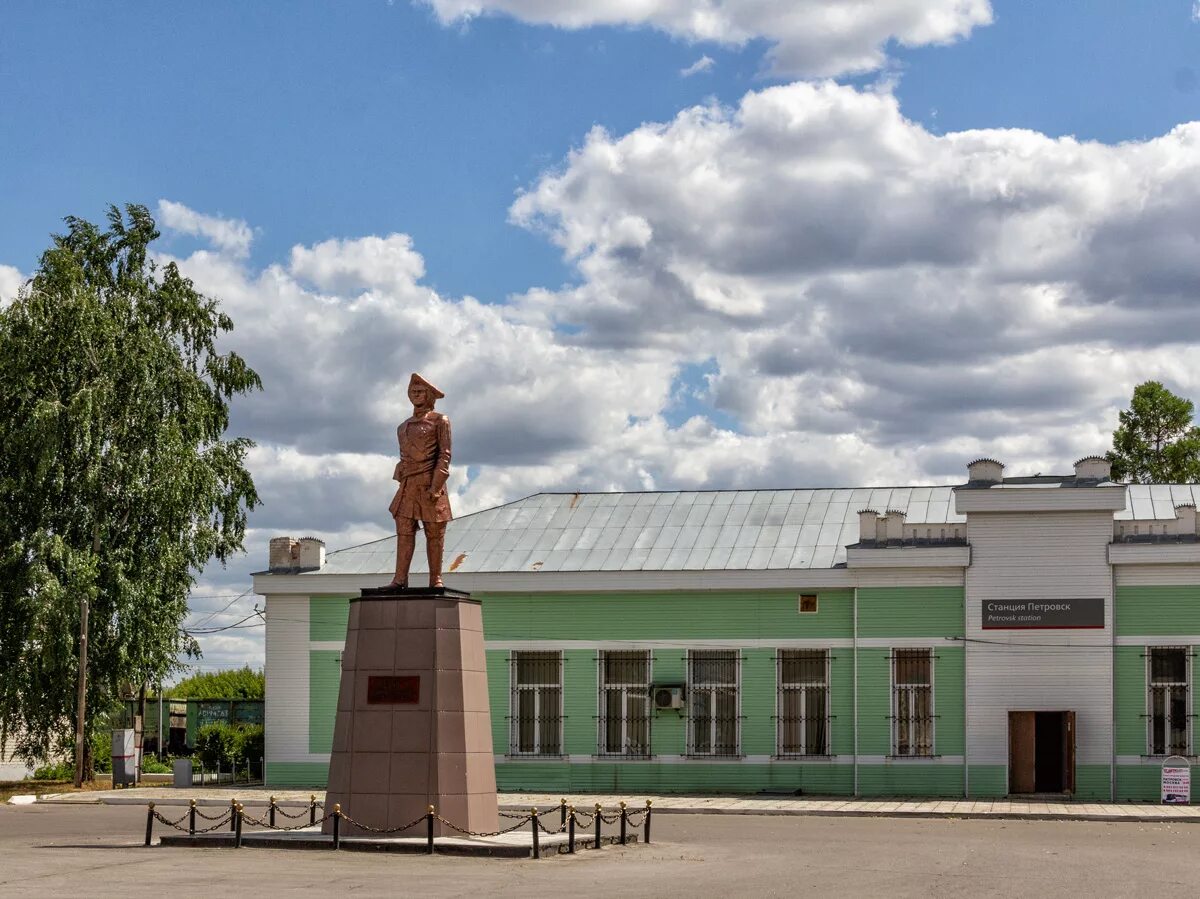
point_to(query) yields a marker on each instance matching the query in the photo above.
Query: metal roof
(724, 530)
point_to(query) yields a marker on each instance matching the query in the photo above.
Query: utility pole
(81, 698)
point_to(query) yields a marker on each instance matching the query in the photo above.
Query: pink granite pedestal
(413, 723)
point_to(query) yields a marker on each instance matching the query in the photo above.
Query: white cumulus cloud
(808, 37)
(703, 64)
(10, 282)
(232, 236)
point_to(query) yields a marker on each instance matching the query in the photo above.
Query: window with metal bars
(912, 702)
(1169, 731)
(535, 722)
(624, 703)
(712, 700)
(803, 721)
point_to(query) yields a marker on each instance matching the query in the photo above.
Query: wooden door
(1022, 746)
(1069, 752)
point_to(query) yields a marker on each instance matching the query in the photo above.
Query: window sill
(711, 757)
(914, 758)
(622, 757)
(534, 757)
(811, 757)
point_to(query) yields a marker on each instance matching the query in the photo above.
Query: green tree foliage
(1156, 442)
(229, 745)
(237, 683)
(117, 479)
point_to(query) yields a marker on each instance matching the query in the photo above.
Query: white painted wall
(287, 679)
(1038, 555)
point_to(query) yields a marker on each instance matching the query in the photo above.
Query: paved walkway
(699, 805)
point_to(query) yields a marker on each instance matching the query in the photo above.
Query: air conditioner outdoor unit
(668, 697)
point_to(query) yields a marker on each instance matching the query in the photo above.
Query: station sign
(1042, 614)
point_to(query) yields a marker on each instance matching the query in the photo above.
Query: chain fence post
(571, 831)
(624, 821)
(232, 815)
(192, 819)
(533, 820)
(149, 823)
(599, 821)
(312, 809)
(429, 829)
(271, 813)
(646, 825)
(337, 822)
(237, 834)
(562, 813)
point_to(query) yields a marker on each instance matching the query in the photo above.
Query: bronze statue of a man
(424, 466)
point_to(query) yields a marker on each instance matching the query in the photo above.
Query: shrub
(64, 770)
(151, 765)
(229, 744)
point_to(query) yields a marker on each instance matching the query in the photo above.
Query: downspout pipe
(856, 722)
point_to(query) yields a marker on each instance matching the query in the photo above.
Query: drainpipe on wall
(1112, 681)
(855, 652)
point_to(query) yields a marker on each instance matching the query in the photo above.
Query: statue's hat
(417, 379)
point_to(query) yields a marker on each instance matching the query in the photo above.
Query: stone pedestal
(413, 723)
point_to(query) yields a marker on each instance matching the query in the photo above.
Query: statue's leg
(406, 530)
(435, 539)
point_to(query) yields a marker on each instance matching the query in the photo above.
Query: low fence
(245, 771)
(235, 817)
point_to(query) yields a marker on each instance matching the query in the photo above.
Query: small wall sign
(1042, 614)
(1176, 781)
(393, 689)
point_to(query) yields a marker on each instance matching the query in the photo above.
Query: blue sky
(314, 120)
(753, 276)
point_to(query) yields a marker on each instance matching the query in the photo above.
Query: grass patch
(10, 788)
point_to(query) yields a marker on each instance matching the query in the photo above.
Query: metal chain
(413, 823)
(300, 814)
(562, 827)
(200, 814)
(159, 817)
(473, 833)
(217, 826)
(303, 824)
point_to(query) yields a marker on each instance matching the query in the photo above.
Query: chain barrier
(225, 819)
(383, 830)
(224, 816)
(303, 813)
(570, 817)
(495, 833)
(258, 822)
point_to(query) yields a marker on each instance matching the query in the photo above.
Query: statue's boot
(404, 553)
(435, 539)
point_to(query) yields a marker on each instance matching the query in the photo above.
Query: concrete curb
(1147, 817)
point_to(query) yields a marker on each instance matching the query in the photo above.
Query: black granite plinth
(393, 592)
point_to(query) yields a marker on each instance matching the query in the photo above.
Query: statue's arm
(441, 471)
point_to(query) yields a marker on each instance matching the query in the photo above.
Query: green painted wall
(921, 612)
(988, 781)
(677, 777)
(897, 612)
(298, 774)
(875, 700)
(1158, 611)
(1130, 677)
(1143, 783)
(327, 617)
(665, 616)
(904, 777)
(324, 678)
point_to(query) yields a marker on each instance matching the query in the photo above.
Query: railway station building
(1006, 636)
